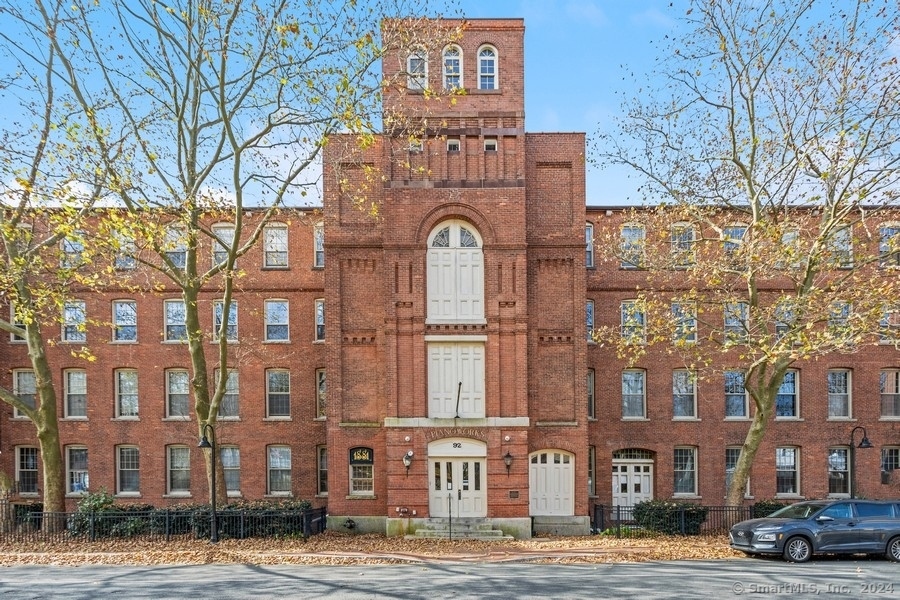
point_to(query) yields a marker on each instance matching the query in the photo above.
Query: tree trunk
(755, 435)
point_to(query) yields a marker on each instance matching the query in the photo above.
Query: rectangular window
(128, 469)
(453, 145)
(890, 458)
(177, 394)
(682, 239)
(76, 393)
(229, 407)
(839, 316)
(838, 472)
(591, 405)
(126, 393)
(125, 251)
(890, 324)
(179, 471)
(417, 71)
(685, 471)
(631, 248)
(731, 460)
(684, 318)
(231, 331)
(633, 406)
(279, 468)
(319, 246)
(592, 471)
(176, 247)
(589, 320)
(736, 324)
(838, 393)
(589, 246)
(277, 321)
(733, 237)
(490, 144)
(275, 246)
(72, 251)
(787, 480)
(76, 470)
(840, 249)
(231, 465)
(176, 321)
(124, 321)
(74, 322)
(321, 393)
(786, 399)
(684, 394)
(224, 234)
(25, 388)
(278, 393)
(322, 469)
(362, 480)
(735, 396)
(889, 383)
(320, 320)
(633, 322)
(784, 319)
(889, 246)
(27, 470)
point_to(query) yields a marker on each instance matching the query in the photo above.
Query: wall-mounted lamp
(407, 461)
(507, 460)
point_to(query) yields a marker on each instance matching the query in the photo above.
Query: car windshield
(798, 511)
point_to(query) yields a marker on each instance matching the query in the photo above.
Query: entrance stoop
(458, 529)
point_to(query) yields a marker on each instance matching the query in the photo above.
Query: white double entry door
(457, 478)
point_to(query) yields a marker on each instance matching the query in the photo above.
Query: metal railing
(673, 519)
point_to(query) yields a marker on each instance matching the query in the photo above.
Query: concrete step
(470, 529)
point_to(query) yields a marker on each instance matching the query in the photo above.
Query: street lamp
(863, 443)
(210, 442)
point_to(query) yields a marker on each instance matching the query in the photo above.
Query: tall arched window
(455, 274)
(453, 68)
(487, 68)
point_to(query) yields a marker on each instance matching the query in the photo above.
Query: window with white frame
(25, 389)
(321, 393)
(784, 318)
(589, 245)
(455, 274)
(732, 454)
(231, 465)
(839, 317)
(592, 471)
(487, 68)
(128, 470)
(786, 400)
(736, 404)
(125, 252)
(279, 470)
(591, 403)
(126, 393)
(229, 407)
(75, 389)
(684, 394)
(631, 246)
(231, 330)
(275, 246)
(890, 324)
(633, 398)
(417, 70)
(320, 320)
(733, 238)
(787, 471)
(790, 249)
(277, 329)
(278, 393)
(684, 319)
(76, 470)
(838, 471)
(223, 240)
(124, 321)
(839, 393)
(453, 145)
(178, 472)
(589, 320)
(685, 471)
(72, 250)
(889, 384)
(890, 458)
(18, 321)
(491, 144)
(177, 393)
(453, 68)
(633, 322)
(362, 473)
(175, 246)
(74, 327)
(319, 245)
(839, 248)
(456, 379)
(736, 323)
(27, 469)
(176, 321)
(683, 237)
(322, 470)
(889, 245)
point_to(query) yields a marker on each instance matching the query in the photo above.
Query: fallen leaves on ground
(335, 548)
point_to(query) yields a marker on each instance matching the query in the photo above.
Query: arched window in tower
(455, 274)
(487, 68)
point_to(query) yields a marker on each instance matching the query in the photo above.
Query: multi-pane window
(455, 274)
(25, 388)
(231, 465)
(490, 144)
(684, 319)
(362, 474)
(230, 405)
(631, 247)
(682, 237)
(279, 470)
(733, 237)
(177, 393)
(839, 316)
(685, 471)
(124, 321)
(787, 473)
(275, 246)
(589, 245)
(890, 458)
(319, 246)
(321, 393)
(75, 389)
(231, 331)
(735, 395)
(633, 323)
(27, 470)
(731, 459)
(125, 252)
(592, 471)
(591, 403)
(417, 70)
(76, 470)
(178, 479)
(72, 250)
(452, 68)
(176, 321)
(684, 394)
(128, 470)
(736, 325)
(790, 248)
(487, 68)
(452, 144)
(320, 319)
(889, 245)
(889, 384)
(840, 248)
(224, 238)
(18, 320)
(890, 324)
(784, 319)
(589, 319)
(322, 470)
(175, 246)
(74, 322)
(126, 393)
(839, 382)
(786, 398)
(277, 321)
(838, 471)
(278, 393)
(633, 406)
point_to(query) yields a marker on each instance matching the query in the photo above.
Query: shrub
(764, 508)
(674, 518)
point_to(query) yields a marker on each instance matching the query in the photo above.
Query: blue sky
(578, 55)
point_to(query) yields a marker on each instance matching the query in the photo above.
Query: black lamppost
(210, 442)
(863, 443)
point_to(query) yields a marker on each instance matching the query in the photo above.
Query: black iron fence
(158, 525)
(670, 518)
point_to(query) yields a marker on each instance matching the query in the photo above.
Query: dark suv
(823, 527)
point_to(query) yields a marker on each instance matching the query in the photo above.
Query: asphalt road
(823, 578)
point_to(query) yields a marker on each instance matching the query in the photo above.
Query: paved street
(825, 578)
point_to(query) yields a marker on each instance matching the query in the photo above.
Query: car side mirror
(824, 519)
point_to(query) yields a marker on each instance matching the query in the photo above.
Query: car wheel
(893, 549)
(797, 549)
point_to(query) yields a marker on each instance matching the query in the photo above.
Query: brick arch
(455, 210)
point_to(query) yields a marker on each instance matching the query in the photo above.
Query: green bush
(674, 518)
(764, 508)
